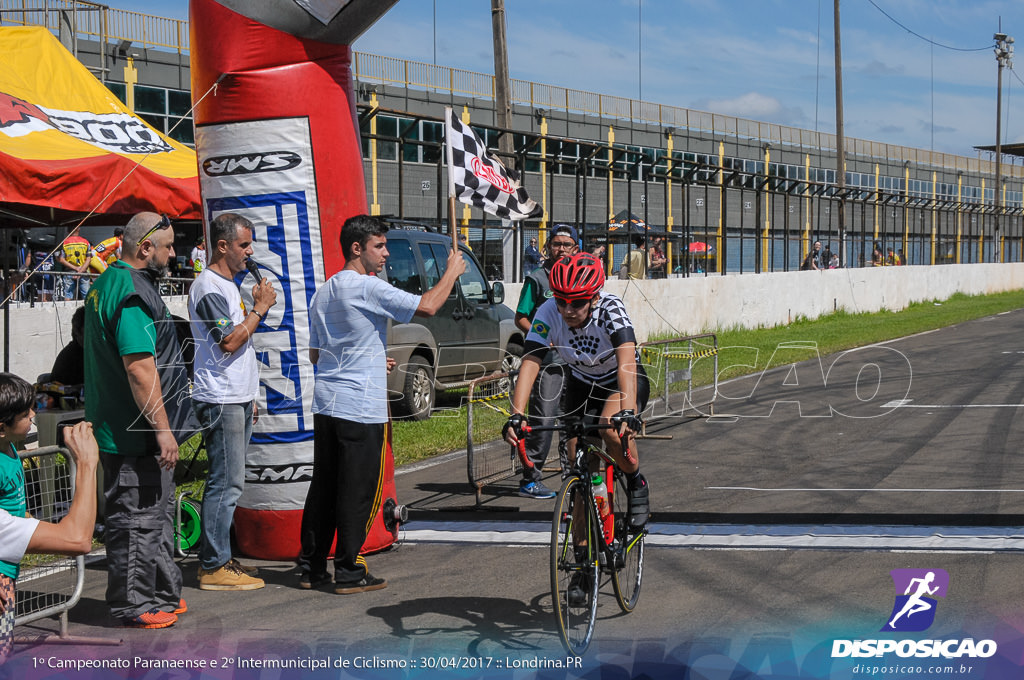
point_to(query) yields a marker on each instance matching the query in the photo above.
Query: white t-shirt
(15, 533)
(590, 350)
(215, 307)
(348, 323)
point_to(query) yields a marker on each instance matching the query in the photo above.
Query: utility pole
(502, 105)
(1004, 57)
(840, 145)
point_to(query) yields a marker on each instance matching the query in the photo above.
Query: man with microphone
(225, 388)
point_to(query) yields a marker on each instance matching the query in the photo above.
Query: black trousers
(344, 495)
(141, 571)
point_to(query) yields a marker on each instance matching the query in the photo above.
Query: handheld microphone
(250, 264)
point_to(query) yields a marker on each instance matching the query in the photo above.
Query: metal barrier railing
(673, 361)
(487, 465)
(49, 585)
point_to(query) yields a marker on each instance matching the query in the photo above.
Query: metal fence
(488, 465)
(49, 585)
(671, 365)
(716, 218)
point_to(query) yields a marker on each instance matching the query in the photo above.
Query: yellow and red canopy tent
(69, 148)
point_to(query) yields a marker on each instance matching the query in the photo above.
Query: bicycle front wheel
(628, 570)
(574, 573)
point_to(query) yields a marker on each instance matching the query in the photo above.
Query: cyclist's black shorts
(583, 397)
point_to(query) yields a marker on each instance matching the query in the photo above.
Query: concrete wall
(39, 333)
(694, 305)
(658, 308)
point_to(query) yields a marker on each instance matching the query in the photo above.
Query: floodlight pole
(840, 145)
(1004, 57)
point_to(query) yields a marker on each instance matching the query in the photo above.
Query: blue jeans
(227, 428)
(76, 287)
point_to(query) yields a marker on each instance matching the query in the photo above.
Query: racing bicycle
(583, 544)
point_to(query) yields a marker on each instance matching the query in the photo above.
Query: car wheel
(512, 360)
(418, 392)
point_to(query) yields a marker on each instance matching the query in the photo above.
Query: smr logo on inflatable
(244, 164)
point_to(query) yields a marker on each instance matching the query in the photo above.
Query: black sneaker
(580, 587)
(535, 490)
(364, 584)
(639, 502)
(309, 581)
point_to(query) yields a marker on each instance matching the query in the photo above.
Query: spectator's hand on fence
(168, 449)
(82, 444)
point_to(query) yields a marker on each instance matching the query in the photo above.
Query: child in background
(16, 399)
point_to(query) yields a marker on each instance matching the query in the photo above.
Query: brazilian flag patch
(223, 323)
(541, 329)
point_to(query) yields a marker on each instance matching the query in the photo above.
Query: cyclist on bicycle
(591, 331)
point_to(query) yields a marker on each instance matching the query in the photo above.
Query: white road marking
(905, 403)
(741, 536)
(877, 490)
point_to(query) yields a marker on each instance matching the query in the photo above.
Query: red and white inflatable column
(278, 140)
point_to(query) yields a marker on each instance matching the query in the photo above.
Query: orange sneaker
(182, 607)
(154, 618)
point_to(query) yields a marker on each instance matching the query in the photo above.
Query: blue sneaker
(535, 490)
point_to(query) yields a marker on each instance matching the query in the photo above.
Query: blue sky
(767, 60)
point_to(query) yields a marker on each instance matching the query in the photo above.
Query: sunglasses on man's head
(574, 304)
(164, 222)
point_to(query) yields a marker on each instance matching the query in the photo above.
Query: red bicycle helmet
(578, 277)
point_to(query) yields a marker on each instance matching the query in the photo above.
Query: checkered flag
(477, 179)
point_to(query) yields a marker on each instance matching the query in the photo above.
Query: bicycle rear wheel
(574, 573)
(629, 554)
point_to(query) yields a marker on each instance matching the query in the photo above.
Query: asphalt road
(776, 524)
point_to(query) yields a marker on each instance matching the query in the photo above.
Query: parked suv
(472, 335)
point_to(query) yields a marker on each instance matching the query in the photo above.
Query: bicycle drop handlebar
(573, 428)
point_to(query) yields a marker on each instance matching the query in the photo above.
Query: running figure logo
(916, 590)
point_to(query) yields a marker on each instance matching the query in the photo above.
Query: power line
(928, 40)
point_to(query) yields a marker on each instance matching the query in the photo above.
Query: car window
(432, 267)
(401, 267)
(472, 281)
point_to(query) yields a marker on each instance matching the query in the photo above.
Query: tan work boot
(228, 577)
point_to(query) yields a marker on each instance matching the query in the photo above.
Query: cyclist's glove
(629, 417)
(514, 423)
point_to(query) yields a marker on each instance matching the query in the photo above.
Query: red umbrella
(698, 247)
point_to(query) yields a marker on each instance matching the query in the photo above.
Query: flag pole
(451, 175)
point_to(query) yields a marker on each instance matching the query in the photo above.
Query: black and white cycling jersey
(589, 350)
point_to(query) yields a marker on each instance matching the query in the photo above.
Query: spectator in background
(137, 398)
(464, 242)
(224, 392)
(545, 398)
(635, 264)
(197, 259)
(39, 262)
(106, 252)
(74, 255)
(531, 258)
(69, 366)
(657, 259)
(902, 257)
(811, 262)
(877, 256)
